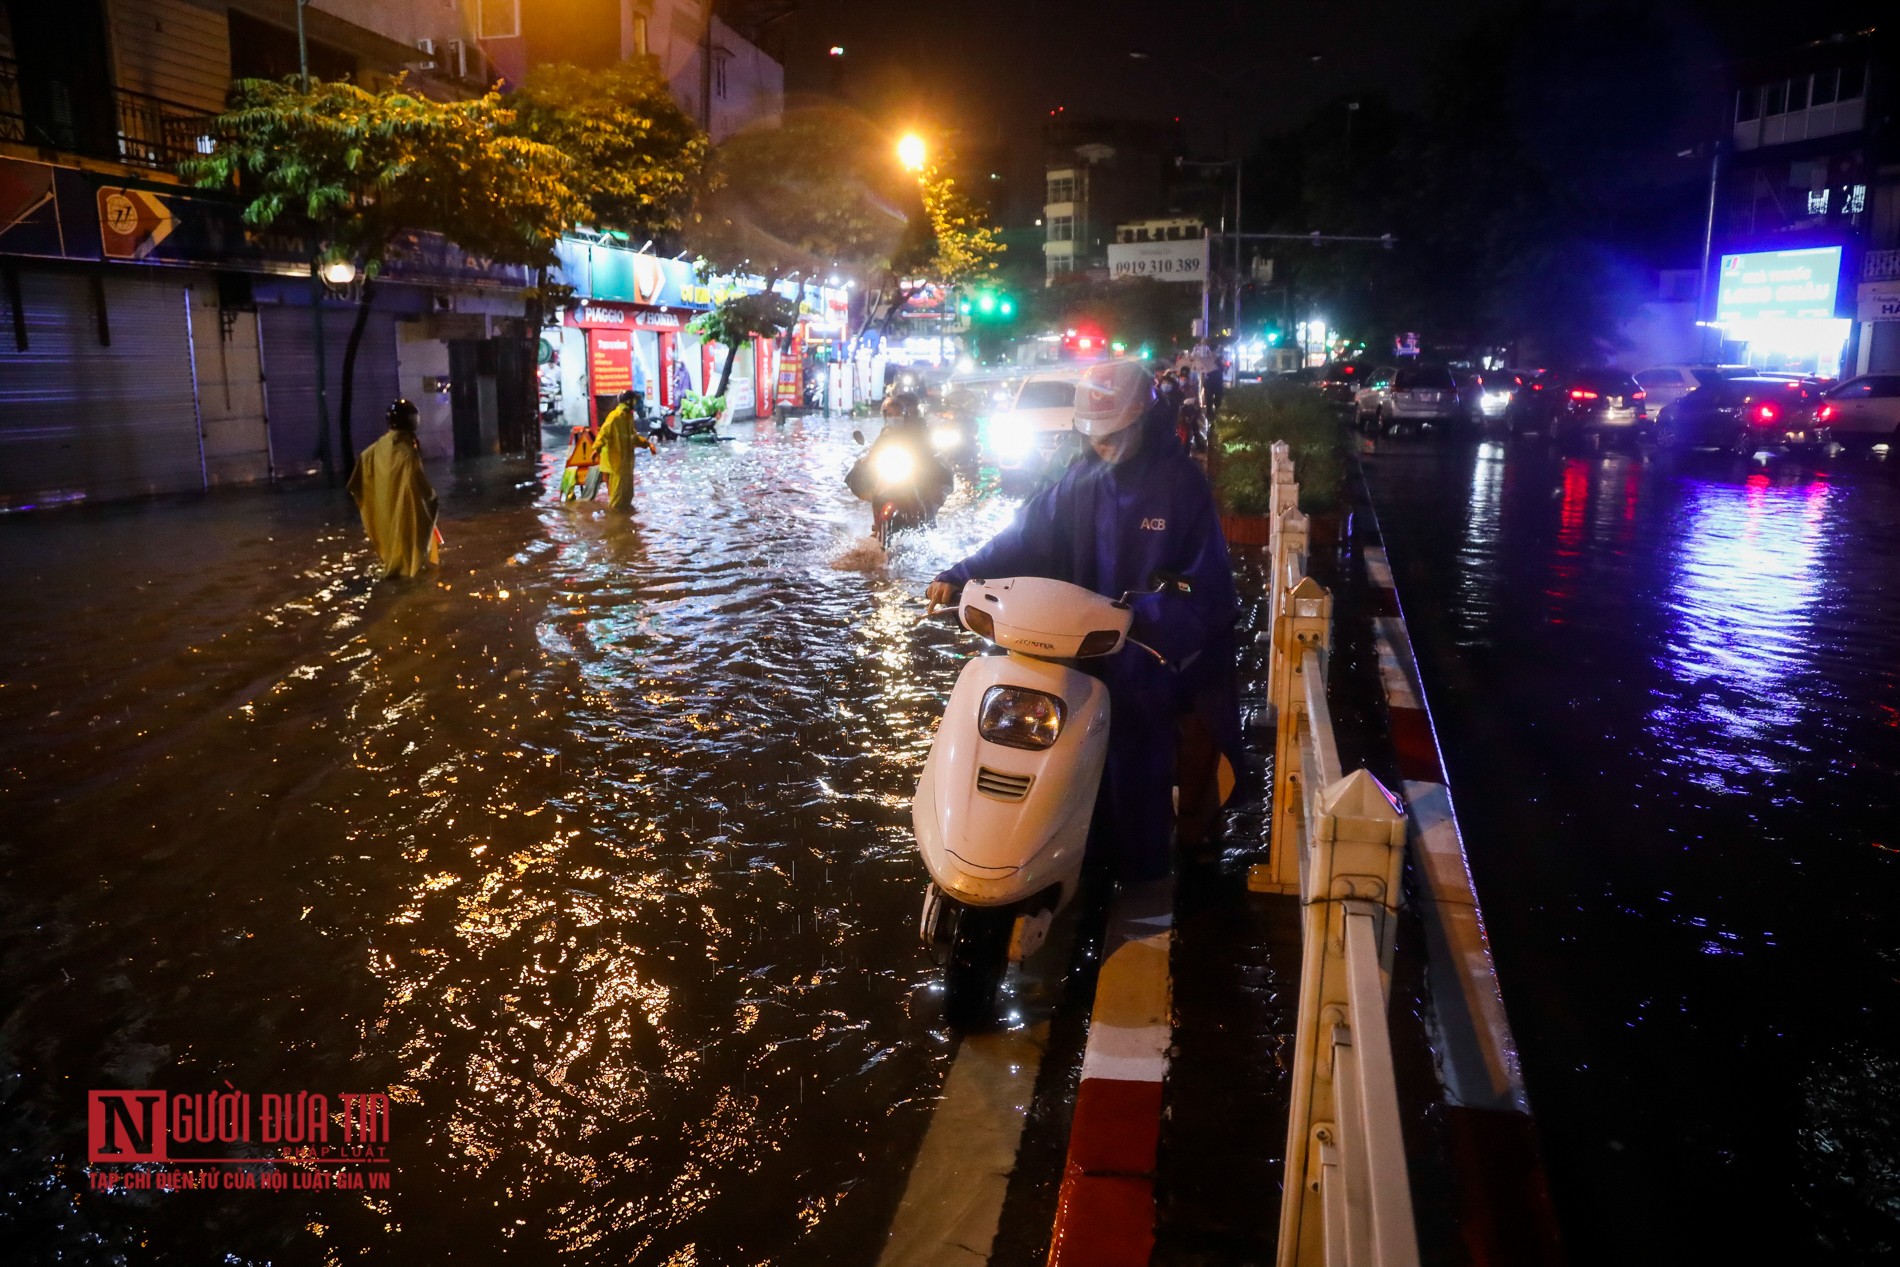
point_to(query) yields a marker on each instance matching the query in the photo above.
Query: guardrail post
(1286, 547)
(1304, 623)
(1337, 1132)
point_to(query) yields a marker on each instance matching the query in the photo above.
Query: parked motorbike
(1002, 810)
(903, 481)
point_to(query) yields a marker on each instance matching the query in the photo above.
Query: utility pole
(706, 73)
(316, 289)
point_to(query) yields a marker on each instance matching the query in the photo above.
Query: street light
(910, 152)
(339, 273)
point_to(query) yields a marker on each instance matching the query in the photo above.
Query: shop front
(625, 347)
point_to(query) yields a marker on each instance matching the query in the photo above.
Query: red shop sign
(609, 361)
(593, 316)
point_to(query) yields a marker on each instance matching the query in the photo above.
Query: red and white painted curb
(1105, 1213)
(1507, 1217)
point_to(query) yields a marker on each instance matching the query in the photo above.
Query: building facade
(152, 343)
(1805, 256)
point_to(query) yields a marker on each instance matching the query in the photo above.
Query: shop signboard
(1879, 301)
(1184, 260)
(1790, 285)
(614, 273)
(591, 315)
(609, 361)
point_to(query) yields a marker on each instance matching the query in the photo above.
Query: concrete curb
(1506, 1215)
(1105, 1212)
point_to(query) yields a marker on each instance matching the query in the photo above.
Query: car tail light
(1763, 414)
(1826, 414)
(1537, 387)
(1639, 395)
(1582, 393)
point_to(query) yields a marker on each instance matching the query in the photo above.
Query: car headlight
(943, 439)
(1010, 436)
(895, 464)
(1019, 718)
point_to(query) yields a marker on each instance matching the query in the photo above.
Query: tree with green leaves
(357, 170)
(639, 159)
(949, 241)
(738, 319)
(816, 193)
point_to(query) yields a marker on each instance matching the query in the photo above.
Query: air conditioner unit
(456, 55)
(427, 48)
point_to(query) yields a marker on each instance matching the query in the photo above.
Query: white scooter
(1002, 810)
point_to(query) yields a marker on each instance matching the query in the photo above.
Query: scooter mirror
(858, 436)
(1172, 583)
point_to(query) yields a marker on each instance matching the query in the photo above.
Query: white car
(1021, 438)
(1667, 384)
(1410, 394)
(1863, 412)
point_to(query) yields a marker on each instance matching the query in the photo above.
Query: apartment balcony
(139, 130)
(1880, 266)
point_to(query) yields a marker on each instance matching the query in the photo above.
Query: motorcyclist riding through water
(1135, 512)
(900, 474)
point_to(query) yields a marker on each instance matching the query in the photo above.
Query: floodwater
(1669, 696)
(592, 850)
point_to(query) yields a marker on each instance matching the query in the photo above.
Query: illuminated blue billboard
(1778, 285)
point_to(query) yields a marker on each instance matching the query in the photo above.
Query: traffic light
(987, 305)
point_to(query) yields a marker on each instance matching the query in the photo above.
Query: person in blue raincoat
(1134, 512)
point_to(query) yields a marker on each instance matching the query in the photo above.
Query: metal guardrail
(146, 131)
(1880, 266)
(1338, 842)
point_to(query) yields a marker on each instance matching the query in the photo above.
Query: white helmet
(1111, 396)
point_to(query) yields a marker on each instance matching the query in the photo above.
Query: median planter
(1246, 530)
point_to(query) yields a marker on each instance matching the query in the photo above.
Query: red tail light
(1763, 414)
(1826, 414)
(1639, 395)
(1582, 393)
(1537, 387)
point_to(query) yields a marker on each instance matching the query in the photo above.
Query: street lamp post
(316, 288)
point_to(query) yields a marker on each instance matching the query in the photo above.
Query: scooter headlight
(895, 464)
(944, 439)
(1019, 718)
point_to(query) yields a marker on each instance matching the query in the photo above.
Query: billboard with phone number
(1184, 260)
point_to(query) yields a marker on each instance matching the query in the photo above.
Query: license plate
(1616, 402)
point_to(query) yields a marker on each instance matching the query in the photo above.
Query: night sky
(989, 71)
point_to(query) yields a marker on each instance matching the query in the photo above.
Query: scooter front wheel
(979, 957)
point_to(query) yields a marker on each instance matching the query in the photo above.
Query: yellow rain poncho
(619, 436)
(397, 503)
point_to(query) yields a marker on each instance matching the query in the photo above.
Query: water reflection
(1478, 571)
(1743, 582)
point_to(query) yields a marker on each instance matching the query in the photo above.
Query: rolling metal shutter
(81, 420)
(290, 383)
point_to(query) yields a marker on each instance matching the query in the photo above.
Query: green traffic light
(987, 302)
(1009, 308)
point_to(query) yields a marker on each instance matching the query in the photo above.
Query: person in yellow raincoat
(619, 436)
(395, 498)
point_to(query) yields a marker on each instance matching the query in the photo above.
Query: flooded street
(1669, 698)
(592, 849)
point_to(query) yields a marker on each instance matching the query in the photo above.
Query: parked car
(1486, 394)
(1411, 395)
(1340, 381)
(1667, 384)
(1599, 403)
(1745, 416)
(1020, 438)
(1863, 412)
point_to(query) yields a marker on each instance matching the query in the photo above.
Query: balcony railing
(1880, 266)
(145, 131)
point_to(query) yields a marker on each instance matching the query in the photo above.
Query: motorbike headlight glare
(895, 464)
(943, 439)
(1019, 718)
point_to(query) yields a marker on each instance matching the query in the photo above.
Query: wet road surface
(593, 848)
(1669, 698)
